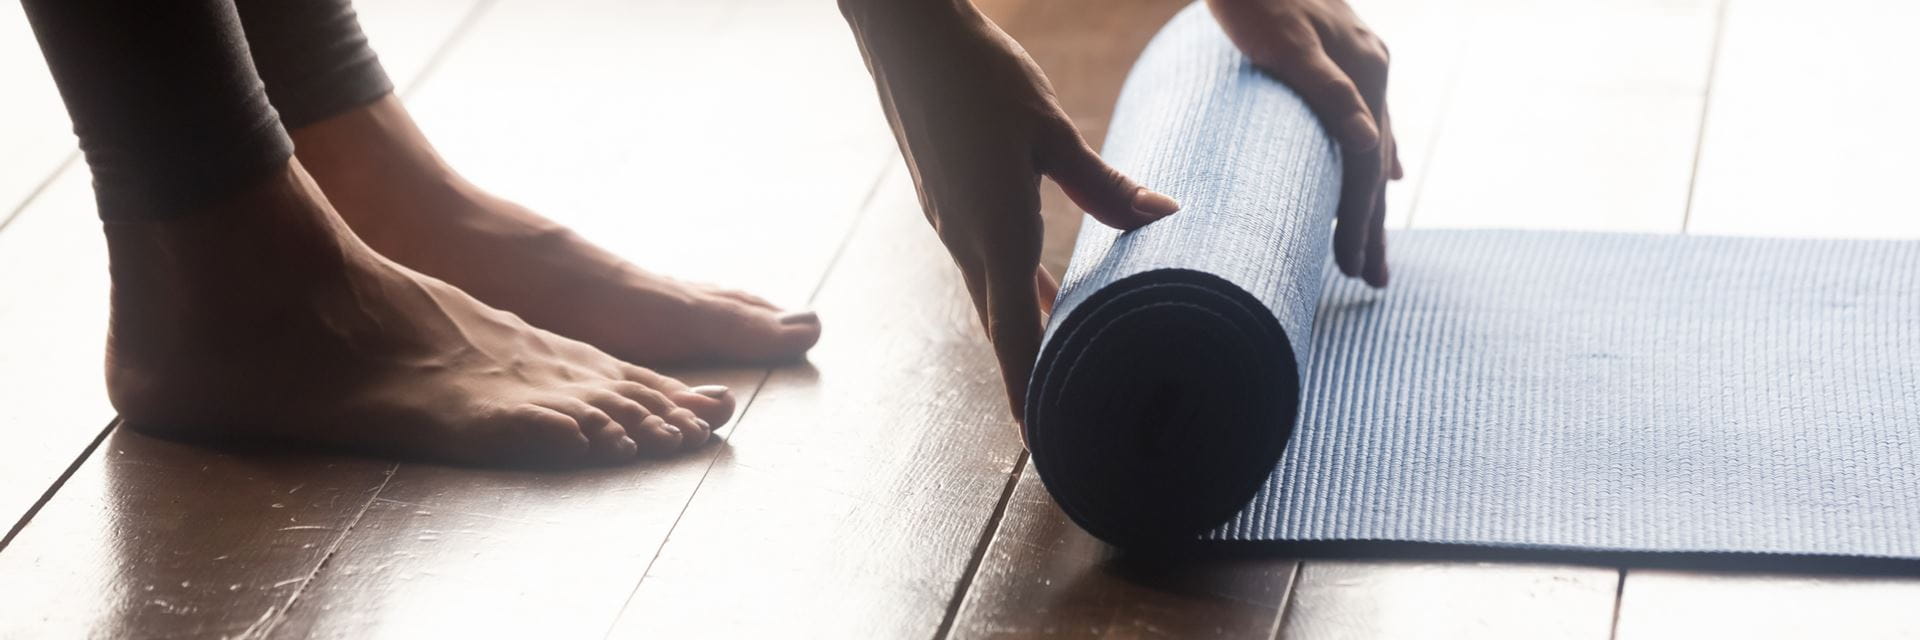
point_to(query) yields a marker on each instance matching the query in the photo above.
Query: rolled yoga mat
(1211, 379)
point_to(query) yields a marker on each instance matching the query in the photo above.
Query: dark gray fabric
(314, 58)
(164, 99)
(1532, 392)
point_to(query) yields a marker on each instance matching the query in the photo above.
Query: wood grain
(156, 539)
(473, 553)
(1044, 575)
(1811, 129)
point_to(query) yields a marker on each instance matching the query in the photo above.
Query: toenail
(711, 390)
(800, 317)
(703, 424)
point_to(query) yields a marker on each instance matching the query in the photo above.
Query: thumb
(1101, 190)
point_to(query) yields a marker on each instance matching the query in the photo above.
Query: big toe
(751, 332)
(713, 403)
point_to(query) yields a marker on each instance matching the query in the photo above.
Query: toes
(747, 298)
(530, 434)
(693, 429)
(742, 331)
(656, 437)
(632, 408)
(713, 403)
(607, 440)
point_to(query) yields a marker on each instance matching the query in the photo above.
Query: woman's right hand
(978, 124)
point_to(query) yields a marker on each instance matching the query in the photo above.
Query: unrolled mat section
(1210, 380)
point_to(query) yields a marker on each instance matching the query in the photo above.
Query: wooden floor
(880, 491)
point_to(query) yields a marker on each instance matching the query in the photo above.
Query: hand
(978, 124)
(1322, 50)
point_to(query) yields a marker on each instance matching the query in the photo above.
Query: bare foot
(265, 317)
(387, 182)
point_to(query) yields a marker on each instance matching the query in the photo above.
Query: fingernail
(1154, 203)
(703, 424)
(710, 390)
(800, 317)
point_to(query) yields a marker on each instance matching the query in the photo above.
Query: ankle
(260, 244)
(359, 154)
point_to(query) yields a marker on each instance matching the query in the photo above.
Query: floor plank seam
(1286, 599)
(459, 33)
(1706, 108)
(39, 188)
(1619, 595)
(272, 619)
(746, 408)
(1437, 134)
(59, 482)
(989, 532)
(853, 228)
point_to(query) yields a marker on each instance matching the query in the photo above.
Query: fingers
(1359, 213)
(1360, 230)
(1375, 270)
(1001, 267)
(1329, 91)
(1098, 188)
(1014, 326)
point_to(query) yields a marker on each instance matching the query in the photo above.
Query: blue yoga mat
(1211, 379)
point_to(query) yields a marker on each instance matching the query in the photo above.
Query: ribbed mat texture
(1522, 391)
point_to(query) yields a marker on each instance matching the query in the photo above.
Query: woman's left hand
(1323, 50)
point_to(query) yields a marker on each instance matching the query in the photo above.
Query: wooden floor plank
(1043, 575)
(1776, 161)
(147, 538)
(660, 131)
(156, 539)
(1674, 604)
(1813, 139)
(1398, 600)
(42, 320)
(857, 491)
(1573, 115)
(53, 326)
(35, 135)
(1427, 40)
